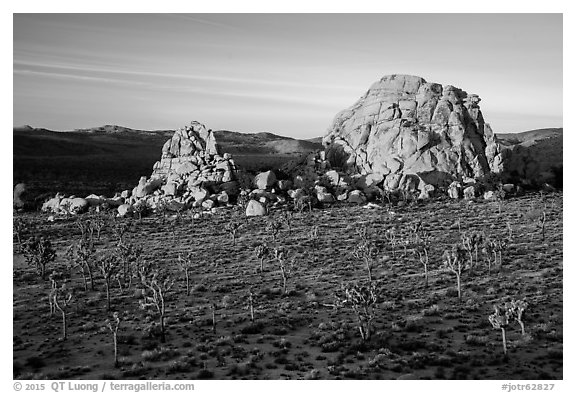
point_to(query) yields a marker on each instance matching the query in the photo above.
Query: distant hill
(111, 158)
(530, 137)
(536, 155)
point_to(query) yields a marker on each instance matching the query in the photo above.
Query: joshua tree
(509, 230)
(158, 284)
(99, 222)
(62, 297)
(362, 299)
(273, 227)
(262, 251)
(232, 228)
(213, 307)
(516, 309)
(422, 247)
(455, 261)
(390, 236)
(542, 224)
(185, 263)
(129, 258)
(52, 292)
(472, 242)
(120, 228)
(114, 325)
(251, 305)
(492, 250)
(500, 195)
(415, 230)
(86, 229)
(109, 266)
(287, 217)
(141, 209)
(500, 320)
(18, 229)
(366, 252)
(162, 209)
(313, 236)
(81, 255)
(286, 268)
(38, 252)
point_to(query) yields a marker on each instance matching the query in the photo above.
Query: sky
(288, 74)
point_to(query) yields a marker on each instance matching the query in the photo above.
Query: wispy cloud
(203, 21)
(196, 77)
(263, 97)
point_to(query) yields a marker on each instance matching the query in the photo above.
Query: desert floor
(420, 332)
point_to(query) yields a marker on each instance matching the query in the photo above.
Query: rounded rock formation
(406, 127)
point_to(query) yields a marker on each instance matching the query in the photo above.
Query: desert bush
(159, 354)
(39, 252)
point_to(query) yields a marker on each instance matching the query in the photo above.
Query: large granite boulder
(404, 125)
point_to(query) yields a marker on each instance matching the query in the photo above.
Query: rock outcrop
(412, 133)
(192, 172)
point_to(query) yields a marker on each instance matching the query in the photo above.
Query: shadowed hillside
(535, 155)
(112, 158)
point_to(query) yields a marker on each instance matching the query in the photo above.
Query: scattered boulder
(470, 192)
(265, 180)
(74, 205)
(19, 201)
(208, 204)
(490, 195)
(356, 196)
(284, 185)
(52, 205)
(509, 188)
(124, 210)
(255, 208)
(427, 191)
(454, 190)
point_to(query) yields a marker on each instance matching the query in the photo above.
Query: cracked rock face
(407, 130)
